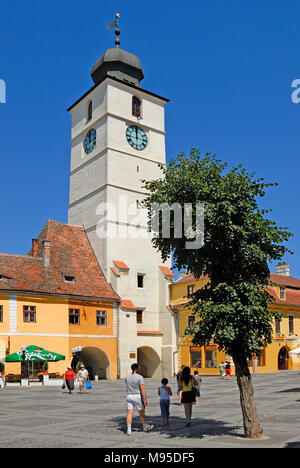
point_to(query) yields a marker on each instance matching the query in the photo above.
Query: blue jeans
(165, 408)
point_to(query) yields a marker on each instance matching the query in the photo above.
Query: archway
(149, 362)
(283, 359)
(96, 362)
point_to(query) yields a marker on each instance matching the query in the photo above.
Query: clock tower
(117, 140)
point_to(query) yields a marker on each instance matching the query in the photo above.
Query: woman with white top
(165, 392)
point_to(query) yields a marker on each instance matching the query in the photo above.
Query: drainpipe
(174, 352)
(118, 336)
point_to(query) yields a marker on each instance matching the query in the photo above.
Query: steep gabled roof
(71, 255)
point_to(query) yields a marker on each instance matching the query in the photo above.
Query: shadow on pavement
(292, 445)
(290, 390)
(199, 427)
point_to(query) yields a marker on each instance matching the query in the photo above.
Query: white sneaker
(148, 428)
(129, 433)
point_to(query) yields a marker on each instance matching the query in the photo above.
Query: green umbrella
(35, 353)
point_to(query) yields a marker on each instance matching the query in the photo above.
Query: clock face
(89, 143)
(136, 137)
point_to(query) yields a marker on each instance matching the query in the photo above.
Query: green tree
(238, 243)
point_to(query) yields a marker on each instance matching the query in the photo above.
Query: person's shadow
(199, 427)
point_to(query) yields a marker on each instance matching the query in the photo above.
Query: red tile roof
(120, 265)
(127, 304)
(71, 254)
(115, 271)
(291, 284)
(292, 297)
(283, 280)
(166, 271)
(189, 277)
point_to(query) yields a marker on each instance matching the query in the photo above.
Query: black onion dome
(119, 64)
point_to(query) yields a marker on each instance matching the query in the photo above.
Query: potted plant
(2, 368)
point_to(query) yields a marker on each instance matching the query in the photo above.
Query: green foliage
(45, 366)
(2, 367)
(239, 241)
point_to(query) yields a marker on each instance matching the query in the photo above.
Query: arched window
(90, 111)
(136, 106)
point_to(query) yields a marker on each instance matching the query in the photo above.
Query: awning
(35, 353)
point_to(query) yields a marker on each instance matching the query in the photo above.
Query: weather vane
(115, 24)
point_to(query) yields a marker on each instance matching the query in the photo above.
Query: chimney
(283, 269)
(46, 253)
(34, 249)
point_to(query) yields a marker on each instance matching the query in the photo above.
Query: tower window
(90, 111)
(139, 316)
(136, 107)
(140, 281)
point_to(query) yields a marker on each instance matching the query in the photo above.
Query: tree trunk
(252, 427)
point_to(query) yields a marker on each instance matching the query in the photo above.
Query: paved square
(49, 417)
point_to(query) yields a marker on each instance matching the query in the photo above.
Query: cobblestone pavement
(49, 417)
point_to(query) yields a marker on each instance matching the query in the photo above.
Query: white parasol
(295, 355)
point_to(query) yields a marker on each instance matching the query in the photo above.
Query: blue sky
(227, 68)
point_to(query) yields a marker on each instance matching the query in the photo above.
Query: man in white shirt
(83, 377)
(136, 398)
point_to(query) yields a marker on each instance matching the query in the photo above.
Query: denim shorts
(165, 408)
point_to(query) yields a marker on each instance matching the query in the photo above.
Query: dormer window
(282, 293)
(89, 111)
(4, 277)
(136, 106)
(69, 279)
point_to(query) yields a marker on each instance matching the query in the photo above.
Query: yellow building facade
(275, 357)
(57, 298)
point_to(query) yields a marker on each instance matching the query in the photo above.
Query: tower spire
(115, 24)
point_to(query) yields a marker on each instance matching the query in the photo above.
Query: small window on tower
(140, 281)
(139, 316)
(136, 106)
(90, 111)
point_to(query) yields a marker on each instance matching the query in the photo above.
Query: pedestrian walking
(136, 399)
(83, 378)
(222, 370)
(69, 379)
(178, 377)
(164, 392)
(188, 397)
(2, 382)
(228, 370)
(197, 389)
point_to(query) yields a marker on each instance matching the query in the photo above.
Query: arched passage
(96, 362)
(283, 359)
(149, 362)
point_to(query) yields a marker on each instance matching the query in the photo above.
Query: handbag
(88, 385)
(63, 386)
